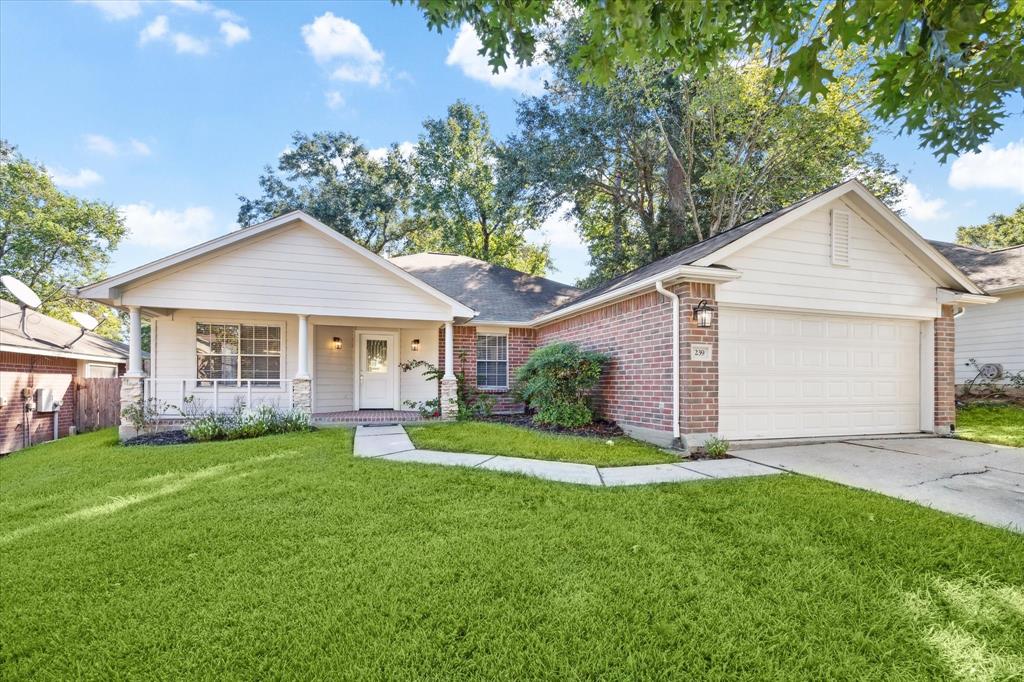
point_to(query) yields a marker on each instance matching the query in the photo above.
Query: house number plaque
(700, 352)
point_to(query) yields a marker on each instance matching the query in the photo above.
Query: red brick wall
(520, 343)
(945, 370)
(698, 384)
(637, 333)
(18, 371)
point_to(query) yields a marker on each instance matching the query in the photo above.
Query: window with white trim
(98, 371)
(492, 361)
(239, 352)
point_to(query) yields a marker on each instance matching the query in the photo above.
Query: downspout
(660, 286)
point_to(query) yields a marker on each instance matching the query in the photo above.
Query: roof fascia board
(947, 296)
(27, 350)
(689, 273)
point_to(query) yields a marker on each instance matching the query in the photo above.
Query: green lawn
(504, 439)
(285, 557)
(1001, 424)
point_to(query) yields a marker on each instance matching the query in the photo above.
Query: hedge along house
(829, 317)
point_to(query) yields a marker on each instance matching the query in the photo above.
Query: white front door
(377, 371)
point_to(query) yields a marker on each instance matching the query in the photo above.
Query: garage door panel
(786, 375)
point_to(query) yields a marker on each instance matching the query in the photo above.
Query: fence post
(216, 396)
(248, 395)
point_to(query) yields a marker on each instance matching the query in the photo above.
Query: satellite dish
(85, 320)
(26, 296)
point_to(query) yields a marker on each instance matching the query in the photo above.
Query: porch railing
(173, 395)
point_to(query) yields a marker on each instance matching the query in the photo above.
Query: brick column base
(302, 396)
(945, 372)
(131, 394)
(449, 398)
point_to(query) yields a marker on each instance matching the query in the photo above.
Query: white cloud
(167, 228)
(139, 147)
(465, 54)
(990, 168)
(343, 45)
(406, 149)
(201, 7)
(116, 9)
(186, 44)
(919, 207)
(334, 99)
(154, 30)
(371, 74)
(83, 178)
(100, 144)
(559, 228)
(233, 33)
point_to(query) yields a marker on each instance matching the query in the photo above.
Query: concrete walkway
(392, 443)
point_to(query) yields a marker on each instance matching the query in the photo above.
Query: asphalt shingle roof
(497, 293)
(51, 335)
(989, 269)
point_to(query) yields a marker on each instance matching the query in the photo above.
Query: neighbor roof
(497, 293)
(48, 336)
(992, 270)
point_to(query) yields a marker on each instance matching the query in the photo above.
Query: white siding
(332, 369)
(414, 385)
(792, 268)
(991, 333)
(293, 269)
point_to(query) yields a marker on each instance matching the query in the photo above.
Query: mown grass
(517, 441)
(1000, 424)
(286, 558)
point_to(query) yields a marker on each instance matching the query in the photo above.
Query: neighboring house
(47, 356)
(995, 333)
(829, 317)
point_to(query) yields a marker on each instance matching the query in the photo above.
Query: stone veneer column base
(131, 394)
(449, 398)
(302, 395)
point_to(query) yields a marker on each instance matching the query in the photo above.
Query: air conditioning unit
(45, 401)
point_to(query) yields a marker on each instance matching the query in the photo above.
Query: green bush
(556, 382)
(241, 423)
(715, 447)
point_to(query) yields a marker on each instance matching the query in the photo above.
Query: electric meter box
(45, 402)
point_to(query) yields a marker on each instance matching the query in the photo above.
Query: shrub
(241, 423)
(472, 402)
(556, 381)
(715, 447)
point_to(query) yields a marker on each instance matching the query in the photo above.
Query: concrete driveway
(983, 482)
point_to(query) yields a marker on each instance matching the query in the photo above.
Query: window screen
(491, 361)
(238, 351)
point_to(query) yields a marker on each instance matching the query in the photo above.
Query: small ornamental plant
(556, 382)
(716, 448)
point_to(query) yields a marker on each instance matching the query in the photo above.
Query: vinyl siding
(792, 268)
(414, 386)
(293, 269)
(991, 333)
(332, 370)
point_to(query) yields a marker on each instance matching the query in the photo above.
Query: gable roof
(497, 293)
(48, 336)
(996, 270)
(108, 290)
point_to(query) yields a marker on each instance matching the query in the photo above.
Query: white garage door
(785, 375)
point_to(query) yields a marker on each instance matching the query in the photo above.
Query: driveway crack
(957, 474)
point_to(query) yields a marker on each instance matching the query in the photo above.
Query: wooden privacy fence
(97, 404)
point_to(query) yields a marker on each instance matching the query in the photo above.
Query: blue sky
(171, 109)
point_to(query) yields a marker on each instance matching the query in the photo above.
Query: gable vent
(840, 237)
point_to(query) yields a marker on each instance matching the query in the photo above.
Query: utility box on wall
(45, 402)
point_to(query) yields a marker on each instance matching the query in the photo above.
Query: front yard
(286, 557)
(1000, 424)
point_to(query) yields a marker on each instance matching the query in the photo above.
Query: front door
(377, 371)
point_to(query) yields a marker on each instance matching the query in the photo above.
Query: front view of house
(830, 317)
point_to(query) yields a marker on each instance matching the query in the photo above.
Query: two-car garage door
(791, 375)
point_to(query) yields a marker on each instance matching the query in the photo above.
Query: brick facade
(698, 385)
(636, 387)
(945, 371)
(18, 371)
(520, 343)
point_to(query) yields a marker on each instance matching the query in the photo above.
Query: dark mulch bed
(177, 437)
(599, 429)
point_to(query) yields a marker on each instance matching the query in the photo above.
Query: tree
(943, 68)
(1001, 231)
(654, 161)
(53, 241)
(333, 177)
(471, 196)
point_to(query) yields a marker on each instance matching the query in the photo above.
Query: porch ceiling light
(337, 343)
(702, 314)
(415, 345)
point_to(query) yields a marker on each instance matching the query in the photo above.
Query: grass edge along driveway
(286, 557)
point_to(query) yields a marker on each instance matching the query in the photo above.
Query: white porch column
(134, 342)
(303, 370)
(449, 351)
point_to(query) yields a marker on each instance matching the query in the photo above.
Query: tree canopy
(999, 232)
(942, 69)
(53, 241)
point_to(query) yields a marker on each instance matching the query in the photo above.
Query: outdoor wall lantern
(337, 343)
(415, 345)
(702, 314)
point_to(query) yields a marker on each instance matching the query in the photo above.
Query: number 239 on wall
(700, 352)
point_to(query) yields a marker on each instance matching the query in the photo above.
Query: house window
(95, 371)
(491, 361)
(238, 352)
